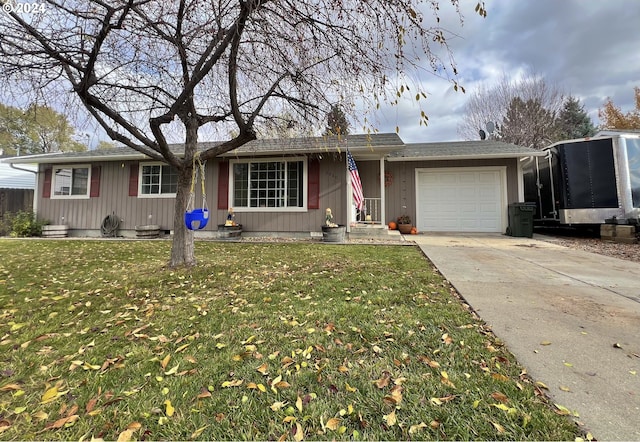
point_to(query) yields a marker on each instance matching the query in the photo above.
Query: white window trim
(305, 185)
(151, 195)
(70, 197)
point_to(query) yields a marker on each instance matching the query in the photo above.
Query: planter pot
(333, 234)
(150, 231)
(55, 231)
(405, 229)
(229, 232)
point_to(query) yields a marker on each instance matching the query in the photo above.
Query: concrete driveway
(572, 318)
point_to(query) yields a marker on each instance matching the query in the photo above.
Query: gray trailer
(586, 181)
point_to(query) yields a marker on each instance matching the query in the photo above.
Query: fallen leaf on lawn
(415, 428)
(502, 407)
(40, 415)
(390, 418)
(299, 404)
(444, 378)
(263, 369)
(333, 423)
(446, 339)
(277, 406)
(499, 377)
(435, 401)
(165, 362)
(193, 361)
(62, 422)
(350, 389)
(289, 419)
(395, 397)
(174, 370)
(4, 425)
(500, 397)
(299, 433)
(10, 387)
(383, 381)
(561, 410)
(431, 363)
(343, 369)
(376, 349)
(125, 436)
(234, 383)
(204, 393)
(182, 348)
(51, 394)
(169, 410)
(198, 432)
(498, 427)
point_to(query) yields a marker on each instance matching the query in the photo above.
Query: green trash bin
(521, 219)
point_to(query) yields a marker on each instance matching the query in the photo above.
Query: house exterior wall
(84, 216)
(87, 214)
(331, 194)
(401, 194)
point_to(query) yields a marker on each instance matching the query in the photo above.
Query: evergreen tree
(573, 121)
(337, 123)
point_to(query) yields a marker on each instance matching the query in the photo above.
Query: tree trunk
(182, 248)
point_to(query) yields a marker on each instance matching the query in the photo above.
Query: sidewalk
(572, 318)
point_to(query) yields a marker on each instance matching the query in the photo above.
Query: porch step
(374, 231)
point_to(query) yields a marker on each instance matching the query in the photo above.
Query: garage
(461, 199)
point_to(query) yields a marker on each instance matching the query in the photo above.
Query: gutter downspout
(35, 189)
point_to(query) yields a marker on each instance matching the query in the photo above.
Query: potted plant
(332, 232)
(404, 224)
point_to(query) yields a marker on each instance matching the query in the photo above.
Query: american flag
(356, 184)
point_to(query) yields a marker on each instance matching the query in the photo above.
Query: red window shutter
(94, 191)
(313, 186)
(223, 185)
(133, 179)
(46, 184)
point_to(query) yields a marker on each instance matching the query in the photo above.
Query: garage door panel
(464, 199)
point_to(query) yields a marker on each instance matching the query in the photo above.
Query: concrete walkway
(572, 318)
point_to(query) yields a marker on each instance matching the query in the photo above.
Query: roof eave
(468, 157)
(49, 159)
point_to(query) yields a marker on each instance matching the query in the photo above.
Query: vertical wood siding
(115, 189)
(87, 214)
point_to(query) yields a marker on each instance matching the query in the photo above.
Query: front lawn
(260, 342)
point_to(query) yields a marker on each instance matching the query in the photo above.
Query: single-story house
(283, 186)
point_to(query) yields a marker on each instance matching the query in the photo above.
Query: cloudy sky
(587, 48)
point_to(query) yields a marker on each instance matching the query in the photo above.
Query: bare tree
(147, 70)
(491, 104)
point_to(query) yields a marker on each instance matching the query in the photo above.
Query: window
(71, 182)
(158, 180)
(269, 185)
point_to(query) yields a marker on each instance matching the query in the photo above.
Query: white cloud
(589, 49)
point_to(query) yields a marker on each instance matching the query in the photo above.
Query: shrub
(24, 223)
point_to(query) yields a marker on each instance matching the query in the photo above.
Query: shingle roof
(461, 150)
(386, 143)
(360, 142)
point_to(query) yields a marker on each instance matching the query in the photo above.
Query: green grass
(261, 341)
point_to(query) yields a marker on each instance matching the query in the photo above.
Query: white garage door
(461, 199)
